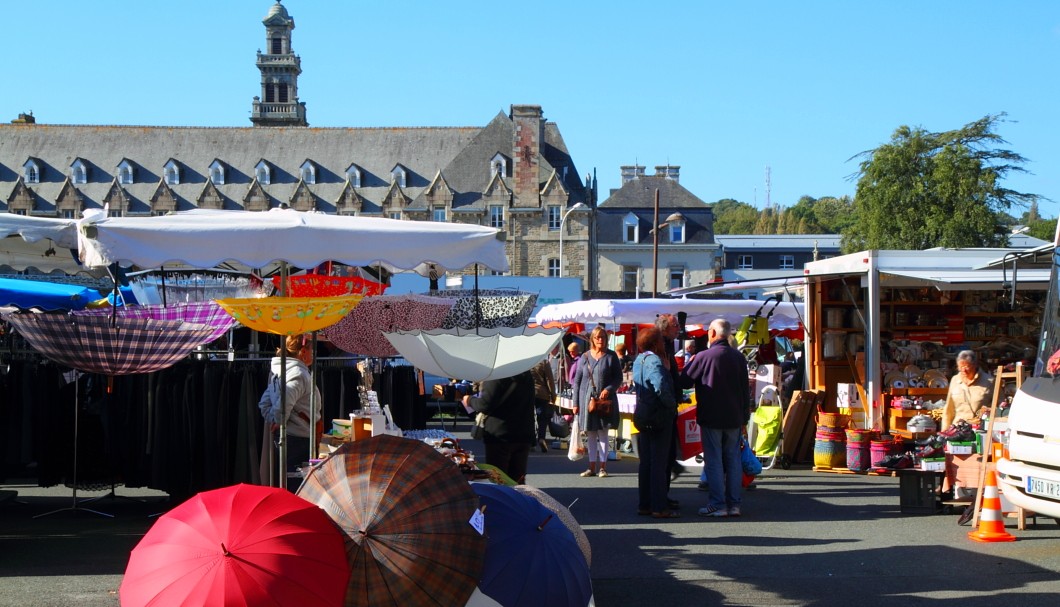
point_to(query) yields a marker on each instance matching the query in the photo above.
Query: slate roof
(826, 243)
(637, 196)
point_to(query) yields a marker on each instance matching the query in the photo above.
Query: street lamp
(581, 206)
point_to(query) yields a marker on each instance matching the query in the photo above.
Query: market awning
(1040, 256)
(643, 311)
(741, 285)
(966, 280)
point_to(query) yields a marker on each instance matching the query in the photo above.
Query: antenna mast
(769, 188)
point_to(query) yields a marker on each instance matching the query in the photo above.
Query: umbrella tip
(225, 550)
(541, 527)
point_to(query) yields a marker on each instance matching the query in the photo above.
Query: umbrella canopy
(93, 344)
(475, 355)
(565, 517)
(361, 331)
(240, 545)
(45, 295)
(206, 238)
(487, 308)
(184, 286)
(318, 285)
(532, 559)
(207, 313)
(406, 511)
(289, 315)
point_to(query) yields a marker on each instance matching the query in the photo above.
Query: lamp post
(655, 243)
(581, 206)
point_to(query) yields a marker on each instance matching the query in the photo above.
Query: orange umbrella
(289, 315)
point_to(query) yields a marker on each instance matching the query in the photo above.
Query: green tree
(1042, 228)
(734, 217)
(925, 189)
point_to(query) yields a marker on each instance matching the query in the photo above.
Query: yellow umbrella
(289, 315)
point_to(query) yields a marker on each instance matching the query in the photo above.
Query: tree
(734, 217)
(924, 190)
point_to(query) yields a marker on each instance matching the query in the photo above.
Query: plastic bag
(576, 451)
(751, 465)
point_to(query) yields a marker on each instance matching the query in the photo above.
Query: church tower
(278, 104)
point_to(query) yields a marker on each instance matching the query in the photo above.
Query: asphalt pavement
(805, 538)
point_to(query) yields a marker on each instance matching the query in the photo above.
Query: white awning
(966, 280)
(741, 285)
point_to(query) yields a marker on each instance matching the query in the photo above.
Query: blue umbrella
(26, 294)
(532, 559)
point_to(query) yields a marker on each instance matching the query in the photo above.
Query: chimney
(669, 172)
(631, 172)
(24, 119)
(526, 146)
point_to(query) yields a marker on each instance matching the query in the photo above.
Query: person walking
(656, 410)
(599, 374)
(670, 328)
(508, 431)
(723, 408)
(544, 392)
(296, 395)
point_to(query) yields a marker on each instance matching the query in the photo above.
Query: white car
(1030, 476)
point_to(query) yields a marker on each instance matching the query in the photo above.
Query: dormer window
(31, 172)
(263, 173)
(631, 229)
(217, 173)
(353, 175)
(309, 172)
(677, 228)
(79, 172)
(125, 172)
(172, 172)
(499, 164)
(398, 175)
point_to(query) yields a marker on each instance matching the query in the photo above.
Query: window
(309, 172)
(631, 229)
(217, 173)
(262, 172)
(172, 173)
(281, 93)
(270, 92)
(23, 212)
(554, 218)
(394, 215)
(277, 46)
(31, 172)
(498, 164)
(398, 176)
(158, 213)
(677, 232)
(438, 214)
(114, 213)
(630, 279)
(496, 216)
(78, 172)
(553, 267)
(745, 262)
(353, 175)
(69, 214)
(787, 262)
(677, 278)
(125, 172)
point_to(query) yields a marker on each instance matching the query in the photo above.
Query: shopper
(544, 393)
(670, 328)
(599, 373)
(971, 391)
(508, 432)
(656, 409)
(723, 408)
(296, 396)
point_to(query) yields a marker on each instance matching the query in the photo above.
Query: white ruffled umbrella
(475, 354)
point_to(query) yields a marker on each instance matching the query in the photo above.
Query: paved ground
(805, 539)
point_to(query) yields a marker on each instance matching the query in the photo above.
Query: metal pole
(655, 248)
(283, 388)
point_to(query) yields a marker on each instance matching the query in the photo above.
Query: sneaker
(959, 427)
(713, 512)
(587, 473)
(734, 511)
(602, 473)
(927, 451)
(703, 486)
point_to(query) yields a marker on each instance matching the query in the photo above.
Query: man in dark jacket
(723, 408)
(509, 429)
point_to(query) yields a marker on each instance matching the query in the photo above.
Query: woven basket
(860, 435)
(829, 453)
(832, 420)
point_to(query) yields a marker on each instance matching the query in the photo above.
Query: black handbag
(558, 426)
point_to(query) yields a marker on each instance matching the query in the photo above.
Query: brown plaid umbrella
(406, 511)
(95, 345)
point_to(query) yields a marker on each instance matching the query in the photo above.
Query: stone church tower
(278, 104)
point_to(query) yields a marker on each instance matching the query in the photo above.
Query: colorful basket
(829, 453)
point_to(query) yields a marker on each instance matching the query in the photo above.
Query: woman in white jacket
(299, 391)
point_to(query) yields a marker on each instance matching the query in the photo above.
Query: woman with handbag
(595, 385)
(654, 419)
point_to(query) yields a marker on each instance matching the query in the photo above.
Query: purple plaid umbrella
(94, 344)
(361, 331)
(207, 313)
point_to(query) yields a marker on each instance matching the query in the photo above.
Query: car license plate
(1043, 487)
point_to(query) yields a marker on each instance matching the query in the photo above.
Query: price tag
(478, 521)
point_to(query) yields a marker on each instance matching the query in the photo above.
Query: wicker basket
(829, 453)
(832, 420)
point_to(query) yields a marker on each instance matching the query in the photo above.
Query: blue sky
(723, 89)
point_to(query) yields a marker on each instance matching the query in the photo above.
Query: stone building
(514, 173)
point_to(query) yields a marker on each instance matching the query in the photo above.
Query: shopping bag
(576, 451)
(558, 426)
(689, 435)
(751, 465)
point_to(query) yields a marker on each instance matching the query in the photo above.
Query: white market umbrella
(475, 355)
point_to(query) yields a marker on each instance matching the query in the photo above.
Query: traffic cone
(991, 525)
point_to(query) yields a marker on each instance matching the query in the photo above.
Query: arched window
(125, 172)
(309, 172)
(172, 173)
(79, 172)
(398, 175)
(631, 229)
(30, 172)
(217, 173)
(353, 175)
(263, 173)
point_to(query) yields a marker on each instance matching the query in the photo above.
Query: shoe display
(927, 452)
(959, 431)
(897, 462)
(588, 473)
(734, 511)
(713, 512)
(602, 474)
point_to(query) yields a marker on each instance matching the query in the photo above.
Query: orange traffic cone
(991, 525)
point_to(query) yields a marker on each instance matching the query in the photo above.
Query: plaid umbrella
(199, 312)
(318, 285)
(94, 345)
(405, 509)
(289, 315)
(361, 331)
(487, 308)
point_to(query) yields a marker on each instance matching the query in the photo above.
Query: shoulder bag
(597, 405)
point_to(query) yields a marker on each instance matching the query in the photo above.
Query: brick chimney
(668, 171)
(526, 146)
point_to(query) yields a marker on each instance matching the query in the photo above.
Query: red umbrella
(406, 512)
(240, 545)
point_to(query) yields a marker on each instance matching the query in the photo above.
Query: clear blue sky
(723, 89)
